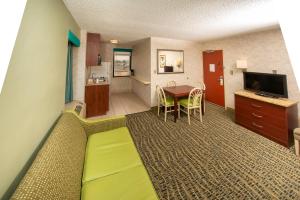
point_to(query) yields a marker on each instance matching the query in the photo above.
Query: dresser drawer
(266, 129)
(263, 117)
(251, 105)
(270, 130)
(242, 119)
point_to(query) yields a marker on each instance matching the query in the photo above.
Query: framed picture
(162, 61)
(121, 63)
(170, 61)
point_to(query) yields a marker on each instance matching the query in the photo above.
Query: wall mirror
(170, 61)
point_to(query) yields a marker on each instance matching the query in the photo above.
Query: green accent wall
(33, 93)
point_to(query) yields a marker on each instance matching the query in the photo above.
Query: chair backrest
(201, 85)
(195, 97)
(161, 97)
(171, 84)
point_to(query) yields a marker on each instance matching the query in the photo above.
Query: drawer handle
(256, 125)
(255, 105)
(256, 115)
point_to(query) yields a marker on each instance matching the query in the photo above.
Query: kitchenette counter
(100, 83)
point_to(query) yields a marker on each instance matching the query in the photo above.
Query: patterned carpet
(216, 159)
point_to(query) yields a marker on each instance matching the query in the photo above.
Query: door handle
(255, 105)
(221, 80)
(256, 115)
(256, 125)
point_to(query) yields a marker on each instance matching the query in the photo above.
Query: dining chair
(163, 101)
(203, 87)
(193, 102)
(171, 84)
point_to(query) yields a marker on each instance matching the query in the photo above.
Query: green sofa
(87, 159)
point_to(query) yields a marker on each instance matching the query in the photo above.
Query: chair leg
(200, 113)
(158, 108)
(194, 112)
(188, 113)
(165, 113)
(297, 147)
(204, 103)
(178, 107)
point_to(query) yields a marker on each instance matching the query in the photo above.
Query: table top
(178, 91)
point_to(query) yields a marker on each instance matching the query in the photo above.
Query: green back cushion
(57, 170)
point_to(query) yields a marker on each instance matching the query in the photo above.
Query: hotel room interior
(149, 99)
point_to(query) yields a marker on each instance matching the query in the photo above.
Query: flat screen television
(272, 85)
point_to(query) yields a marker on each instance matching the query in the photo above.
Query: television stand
(263, 94)
(272, 118)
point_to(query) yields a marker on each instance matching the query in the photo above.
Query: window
(122, 62)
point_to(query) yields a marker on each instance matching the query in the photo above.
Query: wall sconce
(241, 64)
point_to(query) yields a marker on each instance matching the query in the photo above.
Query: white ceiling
(197, 20)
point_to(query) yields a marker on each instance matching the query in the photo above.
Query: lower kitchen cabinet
(96, 99)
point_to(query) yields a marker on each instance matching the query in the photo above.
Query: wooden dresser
(272, 118)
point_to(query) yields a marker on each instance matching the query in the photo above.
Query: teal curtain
(122, 50)
(73, 39)
(69, 81)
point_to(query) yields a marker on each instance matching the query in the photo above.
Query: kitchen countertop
(100, 83)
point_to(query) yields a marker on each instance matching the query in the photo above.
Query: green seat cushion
(130, 184)
(110, 138)
(185, 102)
(109, 153)
(169, 101)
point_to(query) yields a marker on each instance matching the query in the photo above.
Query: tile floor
(123, 104)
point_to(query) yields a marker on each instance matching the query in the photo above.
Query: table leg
(175, 109)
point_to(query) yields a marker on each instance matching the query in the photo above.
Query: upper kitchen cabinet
(92, 49)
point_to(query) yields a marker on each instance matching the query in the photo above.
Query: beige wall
(264, 51)
(106, 51)
(34, 88)
(79, 69)
(141, 63)
(193, 70)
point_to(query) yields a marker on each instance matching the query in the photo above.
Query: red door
(214, 77)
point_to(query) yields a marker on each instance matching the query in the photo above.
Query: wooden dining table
(178, 92)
